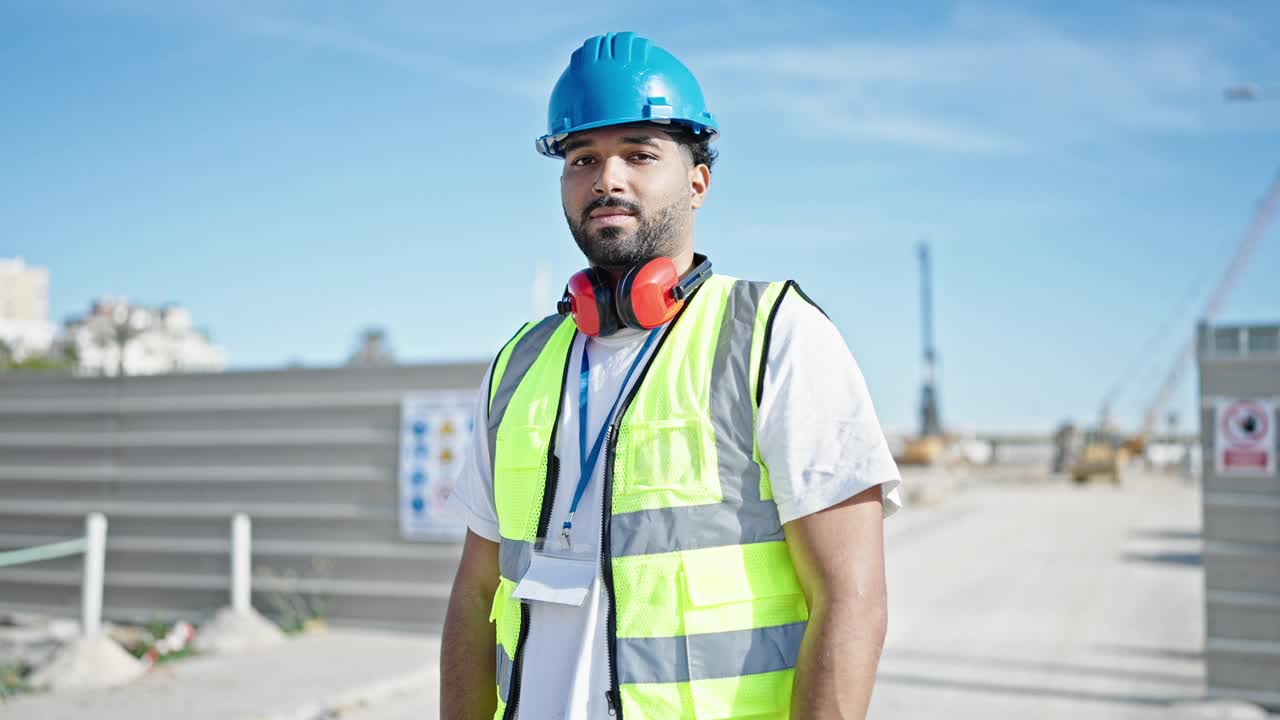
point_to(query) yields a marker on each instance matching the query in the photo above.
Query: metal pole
(926, 308)
(241, 536)
(930, 420)
(94, 570)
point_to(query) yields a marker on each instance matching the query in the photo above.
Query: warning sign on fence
(435, 428)
(1246, 437)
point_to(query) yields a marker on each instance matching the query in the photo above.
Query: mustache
(605, 202)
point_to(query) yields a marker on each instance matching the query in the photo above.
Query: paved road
(1007, 600)
(1036, 601)
(1045, 601)
(307, 678)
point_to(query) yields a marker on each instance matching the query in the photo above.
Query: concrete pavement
(1034, 600)
(1045, 601)
(1008, 600)
(310, 677)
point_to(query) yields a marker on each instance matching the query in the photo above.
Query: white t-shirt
(818, 435)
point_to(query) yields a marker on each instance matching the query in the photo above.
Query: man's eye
(643, 156)
(579, 162)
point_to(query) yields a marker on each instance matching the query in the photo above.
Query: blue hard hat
(620, 78)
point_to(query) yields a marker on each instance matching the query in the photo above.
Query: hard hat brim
(549, 145)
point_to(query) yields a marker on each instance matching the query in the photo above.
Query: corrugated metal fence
(309, 454)
(1241, 522)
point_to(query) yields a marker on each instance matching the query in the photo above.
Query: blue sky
(295, 171)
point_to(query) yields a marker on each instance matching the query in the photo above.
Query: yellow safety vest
(705, 614)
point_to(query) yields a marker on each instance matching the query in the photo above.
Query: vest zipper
(606, 561)
(614, 695)
(544, 520)
(513, 694)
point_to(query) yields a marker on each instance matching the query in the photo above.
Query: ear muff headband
(693, 279)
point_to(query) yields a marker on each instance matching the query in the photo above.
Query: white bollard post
(241, 535)
(94, 568)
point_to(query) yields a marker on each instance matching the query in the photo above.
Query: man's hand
(468, 689)
(838, 554)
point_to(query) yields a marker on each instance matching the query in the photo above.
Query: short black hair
(698, 145)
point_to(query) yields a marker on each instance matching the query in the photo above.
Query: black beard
(611, 247)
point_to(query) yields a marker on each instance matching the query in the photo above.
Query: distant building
(116, 338)
(373, 349)
(25, 330)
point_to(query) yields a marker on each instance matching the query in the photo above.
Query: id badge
(558, 575)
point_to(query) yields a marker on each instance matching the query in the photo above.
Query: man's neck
(683, 262)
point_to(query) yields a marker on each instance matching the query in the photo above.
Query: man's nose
(610, 178)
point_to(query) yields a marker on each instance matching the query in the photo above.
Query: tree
(37, 363)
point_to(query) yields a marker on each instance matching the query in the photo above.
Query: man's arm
(467, 660)
(838, 554)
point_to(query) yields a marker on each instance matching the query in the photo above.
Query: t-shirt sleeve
(472, 496)
(816, 429)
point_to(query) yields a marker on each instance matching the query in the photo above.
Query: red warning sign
(1246, 437)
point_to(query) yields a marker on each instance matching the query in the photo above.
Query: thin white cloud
(986, 81)
(406, 36)
(333, 37)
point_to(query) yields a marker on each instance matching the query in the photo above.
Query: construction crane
(925, 448)
(930, 419)
(1103, 452)
(1262, 218)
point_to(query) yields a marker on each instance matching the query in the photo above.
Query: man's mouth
(611, 216)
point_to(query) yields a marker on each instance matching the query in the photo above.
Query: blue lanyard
(588, 460)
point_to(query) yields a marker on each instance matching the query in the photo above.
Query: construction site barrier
(94, 546)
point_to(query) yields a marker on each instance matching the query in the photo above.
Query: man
(675, 495)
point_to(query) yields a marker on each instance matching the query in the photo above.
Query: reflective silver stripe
(742, 517)
(709, 655)
(521, 359)
(513, 558)
(503, 673)
(694, 527)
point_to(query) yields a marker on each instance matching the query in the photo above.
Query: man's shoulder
(782, 289)
(786, 304)
(798, 295)
(798, 323)
(791, 296)
(531, 330)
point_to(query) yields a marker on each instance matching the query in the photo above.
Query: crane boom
(1257, 229)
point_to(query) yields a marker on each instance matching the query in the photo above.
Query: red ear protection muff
(648, 295)
(589, 298)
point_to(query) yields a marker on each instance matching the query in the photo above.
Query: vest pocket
(744, 615)
(723, 594)
(519, 478)
(665, 463)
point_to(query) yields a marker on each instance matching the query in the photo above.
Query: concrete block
(93, 662)
(232, 631)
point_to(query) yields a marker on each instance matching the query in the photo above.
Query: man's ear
(699, 184)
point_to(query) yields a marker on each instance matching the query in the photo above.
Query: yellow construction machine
(922, 450)
(1102, 452)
